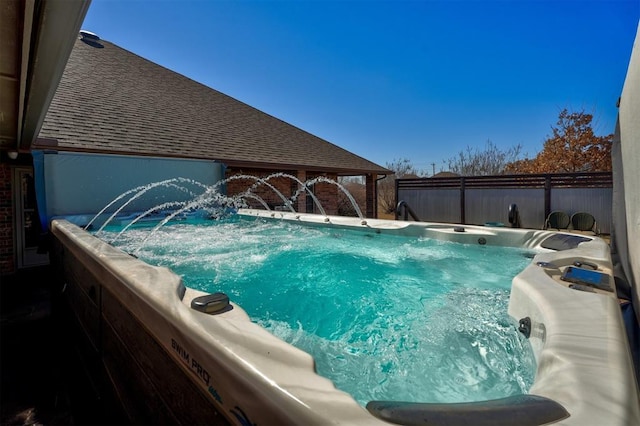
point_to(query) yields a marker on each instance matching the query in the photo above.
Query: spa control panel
(581, 276)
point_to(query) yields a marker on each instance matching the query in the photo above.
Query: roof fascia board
(27, 31)
(338, 170)
(55, 28)
(49, 144)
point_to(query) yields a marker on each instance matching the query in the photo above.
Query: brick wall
(7, 255)
(325, 192)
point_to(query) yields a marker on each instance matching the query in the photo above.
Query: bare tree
(356, 188)
(402, 168)
(490, 161)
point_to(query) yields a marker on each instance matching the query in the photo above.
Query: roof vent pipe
(89, 35)
(90, 38)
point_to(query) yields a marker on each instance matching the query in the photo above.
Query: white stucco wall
(627, 174)
(82, 184)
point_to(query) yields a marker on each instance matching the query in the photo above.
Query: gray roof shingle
(111, 100)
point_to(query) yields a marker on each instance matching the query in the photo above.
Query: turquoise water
(385, 317)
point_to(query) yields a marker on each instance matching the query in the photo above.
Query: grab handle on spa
(214, 303)
(404, 207)
(519, 410)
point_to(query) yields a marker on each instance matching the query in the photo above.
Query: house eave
(51, 145)
(44, 33)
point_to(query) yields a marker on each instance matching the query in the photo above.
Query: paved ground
(41, 383)
(31, 390)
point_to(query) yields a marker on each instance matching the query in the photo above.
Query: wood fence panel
(433, 204)
(484, 205)
(597, 201)
(481, 199)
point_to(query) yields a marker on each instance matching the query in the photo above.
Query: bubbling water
(385, 318)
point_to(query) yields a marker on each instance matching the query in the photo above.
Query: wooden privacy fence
(478, 200)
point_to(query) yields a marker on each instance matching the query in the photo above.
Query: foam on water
(386, 318)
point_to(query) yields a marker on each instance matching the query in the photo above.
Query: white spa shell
(579, 340)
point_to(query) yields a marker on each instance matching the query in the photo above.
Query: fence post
(547, 196)
(462, 201)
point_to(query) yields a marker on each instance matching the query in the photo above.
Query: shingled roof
(113, 101)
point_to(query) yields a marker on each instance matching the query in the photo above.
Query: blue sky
(387, 80)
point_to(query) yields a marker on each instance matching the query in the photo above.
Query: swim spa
(227, 363)
(385, 317)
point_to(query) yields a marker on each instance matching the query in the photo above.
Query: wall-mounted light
(12, 154)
